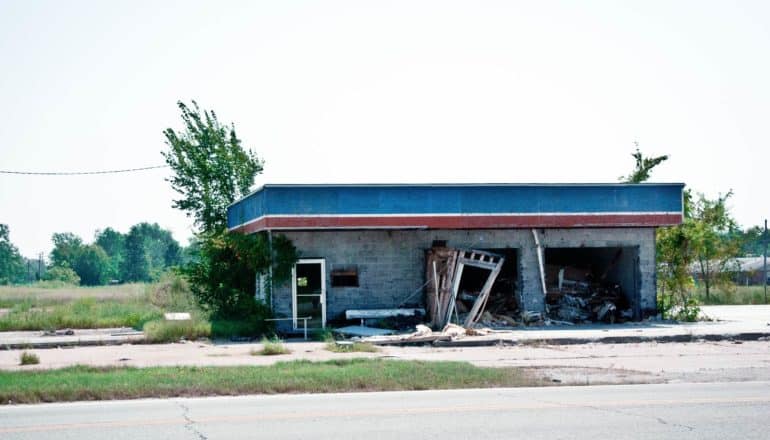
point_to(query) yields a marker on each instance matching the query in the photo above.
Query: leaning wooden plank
(540, 261)
(455, 288)
(481, 301)
(431, 301)
(435, 290)
(445, 288)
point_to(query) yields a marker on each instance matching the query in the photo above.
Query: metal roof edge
(446, 185)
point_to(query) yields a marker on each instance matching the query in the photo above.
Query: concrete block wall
(391, 263)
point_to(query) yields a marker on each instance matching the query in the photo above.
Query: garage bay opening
(592, 284)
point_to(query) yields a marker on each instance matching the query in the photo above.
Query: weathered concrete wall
(391, 264)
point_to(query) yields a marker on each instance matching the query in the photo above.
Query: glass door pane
(309, 288)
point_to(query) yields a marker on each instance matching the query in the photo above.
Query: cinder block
(391, 264)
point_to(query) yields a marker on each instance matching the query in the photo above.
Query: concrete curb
(748, 336)
(67, 344)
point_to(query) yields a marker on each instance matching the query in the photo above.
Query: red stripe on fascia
(465, 222)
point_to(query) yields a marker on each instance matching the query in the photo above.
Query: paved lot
(578, 364)
(647, 362)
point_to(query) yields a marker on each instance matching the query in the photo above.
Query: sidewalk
(79, 338)
(742, 323)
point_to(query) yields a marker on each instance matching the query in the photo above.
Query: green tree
(751, 241)
(674, 255)
(61, 273)
(191, 252)
(92, 265)
(66, 248)
(149, 250)
(211, 167)
(136, 264)
(12, 268)
(114, 244)
(644, 166)
(709, 229)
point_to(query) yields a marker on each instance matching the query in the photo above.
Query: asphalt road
(674, 411)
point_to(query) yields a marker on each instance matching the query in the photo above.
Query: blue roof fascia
(386, 199)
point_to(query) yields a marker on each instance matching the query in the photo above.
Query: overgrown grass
(741, 295)
(129, 305)
(28, 358)
(221, 328)
(271, 347)
(171, 331)
(50, 292)
(86, 312)
(140, 306)
(91, 383)
(360, 347)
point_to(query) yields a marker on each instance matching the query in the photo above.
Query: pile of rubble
(424, 335)
(574, 297)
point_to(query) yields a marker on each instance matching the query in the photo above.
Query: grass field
(88, 383)
(56, 294)
(47, 306)
(741, 295)
(128, 305)
(35, 308)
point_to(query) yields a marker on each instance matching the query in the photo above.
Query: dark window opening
(345, 277)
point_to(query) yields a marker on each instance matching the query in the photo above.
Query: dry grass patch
(351, 347)
(28, 358)
(92, 383)
(271, 347)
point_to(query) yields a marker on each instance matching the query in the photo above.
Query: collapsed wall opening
(472, 286)
(593, 284)
(502, 307)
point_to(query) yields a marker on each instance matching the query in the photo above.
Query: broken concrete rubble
(573, 296)
(423, 334)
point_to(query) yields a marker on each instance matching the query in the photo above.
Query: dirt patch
(567, 375)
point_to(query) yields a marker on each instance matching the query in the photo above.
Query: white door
(309, 293)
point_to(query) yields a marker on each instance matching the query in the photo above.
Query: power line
(80, 173)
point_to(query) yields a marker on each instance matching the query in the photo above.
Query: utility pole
(764, 271)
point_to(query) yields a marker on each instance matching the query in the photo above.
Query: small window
(345, 277)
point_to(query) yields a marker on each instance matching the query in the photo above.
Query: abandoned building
(574, 251)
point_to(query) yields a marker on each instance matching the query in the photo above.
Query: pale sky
(388, 91)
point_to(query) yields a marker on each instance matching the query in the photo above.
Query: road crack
(189, 422)
(660, 420)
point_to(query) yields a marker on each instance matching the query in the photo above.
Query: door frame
(322, 262)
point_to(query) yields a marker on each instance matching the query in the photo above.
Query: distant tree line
(141, 255)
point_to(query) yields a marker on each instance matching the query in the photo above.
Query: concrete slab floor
(574, 364)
